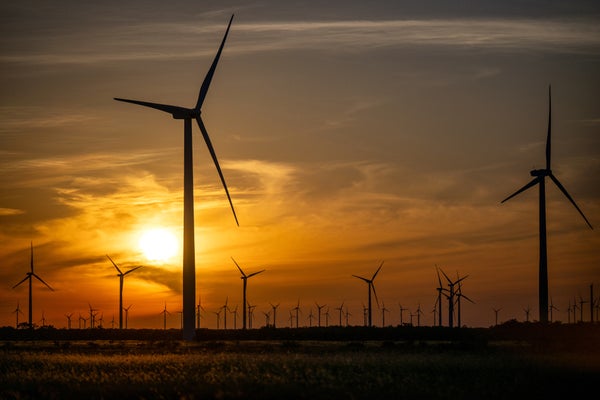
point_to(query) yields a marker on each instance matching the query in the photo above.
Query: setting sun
(158, 244)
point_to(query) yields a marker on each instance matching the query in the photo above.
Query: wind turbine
(552, 308)
(539, 178)
(126, 309)
(29, 275)
(371, 287)
(340, 309)
(244, 278)
(187, 114)
(297, 309)
(440, 289)
(319, 308)
(92, 315)
(164, 312)
(274, 307)
(450, 296)
(69, 320)
(402, 309)
(496, 311)
(121, 276)
(199, 309)
(460, 295)
(17, 312)
(225, 309)
(383, 311)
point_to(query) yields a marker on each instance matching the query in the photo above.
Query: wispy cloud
(10, 211)
(170, 41)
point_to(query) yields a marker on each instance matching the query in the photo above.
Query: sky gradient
(349, 134)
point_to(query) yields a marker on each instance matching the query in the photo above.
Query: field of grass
(290, 370)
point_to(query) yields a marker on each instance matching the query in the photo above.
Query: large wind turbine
(30, 275)
(539, 177)
(121, 276)
(187, 114)
(244, 278)
(371, 287)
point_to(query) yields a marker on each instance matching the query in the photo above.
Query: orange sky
(347, 138)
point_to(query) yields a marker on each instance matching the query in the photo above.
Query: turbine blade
(548, 139)
(360, 277)
(132, 269)
(111, 260)
(466, 298)
(211, 71)
(524, 188)
(375, 294)
(376, 272)
(562, 189)
(24, 279)
(236, 264)
(256, 273)
(214, 157)
(41, 280)
(438, 275)
(31, 258)
(446, 276)
(162, 107)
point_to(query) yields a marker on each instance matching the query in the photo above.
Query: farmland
(300, 369)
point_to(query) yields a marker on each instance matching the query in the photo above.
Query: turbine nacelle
(541, 172)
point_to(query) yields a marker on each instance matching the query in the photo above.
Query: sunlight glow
(158, 244)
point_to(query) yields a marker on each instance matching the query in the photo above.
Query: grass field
(291, 370)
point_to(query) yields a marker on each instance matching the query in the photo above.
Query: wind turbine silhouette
(164, 312)
(244, 278)
(127, 314)
(187, 114)
(340, 309)
(274, 307)
(121, 276)
(69, 320)
(371, 287)
(539, 178)
(460, 295)
(17, 312)
(29, 275)
(319, 308)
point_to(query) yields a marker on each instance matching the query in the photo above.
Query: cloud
(174, 41)
(10, 211)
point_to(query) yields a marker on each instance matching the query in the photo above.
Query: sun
(158, 244)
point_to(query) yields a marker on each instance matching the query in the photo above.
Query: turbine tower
(244, 278)
(371, 287)
(539, 178)
(121, 276)
(187, 114)
(29, 275)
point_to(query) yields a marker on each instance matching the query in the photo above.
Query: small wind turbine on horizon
(319, 308)
(187, 114)
(164, 312)
(28, 276)
(371, 287)
(17, 311)
(451, 294)
(121, 276)
(496, 311)
(539, 178)
(459, 296)
(274, 307)
(69, 320)
(340, 309)
(126, 309)
(244, 278)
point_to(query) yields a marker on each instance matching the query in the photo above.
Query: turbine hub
(540, 172)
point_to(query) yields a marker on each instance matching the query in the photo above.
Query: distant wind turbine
(121, 276)
(319, 308)
(187, 114)
(17, 312)
(69, 320)
(126, 309)
(164, 312)
(451, 294)
(459, 296)
(340, 309)
(28, 276)
(371, 288)
(540, 179)
(244, 278)
(274, 307)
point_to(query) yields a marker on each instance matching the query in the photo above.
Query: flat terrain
(503, 368)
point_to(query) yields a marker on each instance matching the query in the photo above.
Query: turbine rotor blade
(446, 276)
(41, 280)
(562, 189)
(548, 139)
(438, 275)
(374, 293)
(256, 273)
(376, 272)
(240, 268)
(360, 277)
(132, 269)
(111, 260)
(211, 71)
(24, 279)
(216, 161)
(524, 188)
(173, 110)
